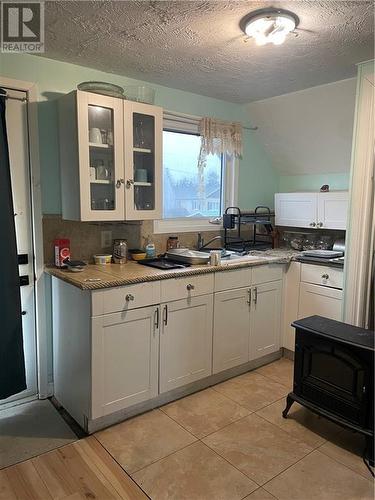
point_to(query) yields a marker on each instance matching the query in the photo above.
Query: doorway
(19, 153)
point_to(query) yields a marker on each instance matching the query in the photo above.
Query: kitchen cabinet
(310, 289)
(110, 158)
(333, 210)
(312, 210)
(319, 300)
(247, 320)
(295, 209)
(231, 328)
(265, 319)
(121, 350)
(143, 160)
(125, 350)
(185, 341)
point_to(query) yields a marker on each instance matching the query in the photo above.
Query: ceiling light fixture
(269, 25)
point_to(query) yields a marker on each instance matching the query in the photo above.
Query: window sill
(166, 226)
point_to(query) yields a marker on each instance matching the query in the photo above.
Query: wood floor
(81, 470)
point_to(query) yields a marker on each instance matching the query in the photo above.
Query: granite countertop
(95, 277)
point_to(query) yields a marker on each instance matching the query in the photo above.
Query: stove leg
(289, 402)
(370, 450)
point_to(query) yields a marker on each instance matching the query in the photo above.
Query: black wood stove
(334, 374)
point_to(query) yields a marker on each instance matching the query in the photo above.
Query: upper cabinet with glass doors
(110, 158)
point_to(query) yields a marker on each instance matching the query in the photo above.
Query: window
(189, 201)
(184, 193)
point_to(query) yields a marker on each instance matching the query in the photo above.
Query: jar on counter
(172, 243)
(120, 251)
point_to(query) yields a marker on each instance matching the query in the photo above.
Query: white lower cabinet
(319, 300)
(185, 341)
(231, 329)
(265, 319)
(125, 350)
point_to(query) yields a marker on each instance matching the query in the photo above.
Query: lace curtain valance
(220, 137)
(217, 138)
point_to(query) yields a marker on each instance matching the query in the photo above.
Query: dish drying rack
(234, 220)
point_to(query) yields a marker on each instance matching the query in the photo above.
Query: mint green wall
(258, 181)
(313, 182)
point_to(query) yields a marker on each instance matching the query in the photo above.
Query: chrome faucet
(201, 244)
(200, 241)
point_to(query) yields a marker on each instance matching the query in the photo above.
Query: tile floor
(230, 442)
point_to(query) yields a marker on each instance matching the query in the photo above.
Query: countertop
(95, 277)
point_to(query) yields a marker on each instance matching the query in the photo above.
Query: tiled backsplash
(85, 237)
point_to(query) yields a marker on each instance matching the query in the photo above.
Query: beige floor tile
(318, 477)
(252, 390)
(280, 371)
(142, 440)
(347, 448)
(205, 412)
(301, 423)
(194, 473)
(260, 494)
(257, 448)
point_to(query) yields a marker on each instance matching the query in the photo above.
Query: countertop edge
(68, 276)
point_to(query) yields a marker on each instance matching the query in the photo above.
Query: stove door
(334, 376)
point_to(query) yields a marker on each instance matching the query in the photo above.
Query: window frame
(229, 187)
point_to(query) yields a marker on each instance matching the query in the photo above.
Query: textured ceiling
(198, 46)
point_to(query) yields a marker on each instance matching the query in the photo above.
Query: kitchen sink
(203, 257)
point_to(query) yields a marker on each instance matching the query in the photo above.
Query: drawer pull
(190, 287)
(165, 315)
(129, 297)
(320, 224)
(325, 276)
(313, 224)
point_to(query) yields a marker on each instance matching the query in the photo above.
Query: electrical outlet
(106, 239)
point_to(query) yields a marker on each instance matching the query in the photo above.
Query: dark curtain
(12, 361)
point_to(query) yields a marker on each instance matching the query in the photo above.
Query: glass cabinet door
(103, 162)
(143, 135)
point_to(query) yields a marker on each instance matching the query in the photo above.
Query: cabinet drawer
(266, 273)
(322, 275)
(125, 298)
(237, 278)
(182, 288)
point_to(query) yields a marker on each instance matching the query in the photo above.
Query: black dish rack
(234, 220)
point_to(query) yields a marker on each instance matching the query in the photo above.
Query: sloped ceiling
(198, 46)
(308, 132)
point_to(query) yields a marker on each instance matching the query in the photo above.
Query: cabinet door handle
(190, 287)
(129, 183)
(119, 182)
(129, 297)
(325, 276)
(249, 296)
(156, 319)
(255, 297)
(165, 315)
(312, 224)
(320, 224)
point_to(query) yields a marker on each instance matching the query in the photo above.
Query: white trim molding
(359, 246)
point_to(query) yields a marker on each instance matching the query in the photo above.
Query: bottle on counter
(120, 251)
(172, 243)
(150, 249)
